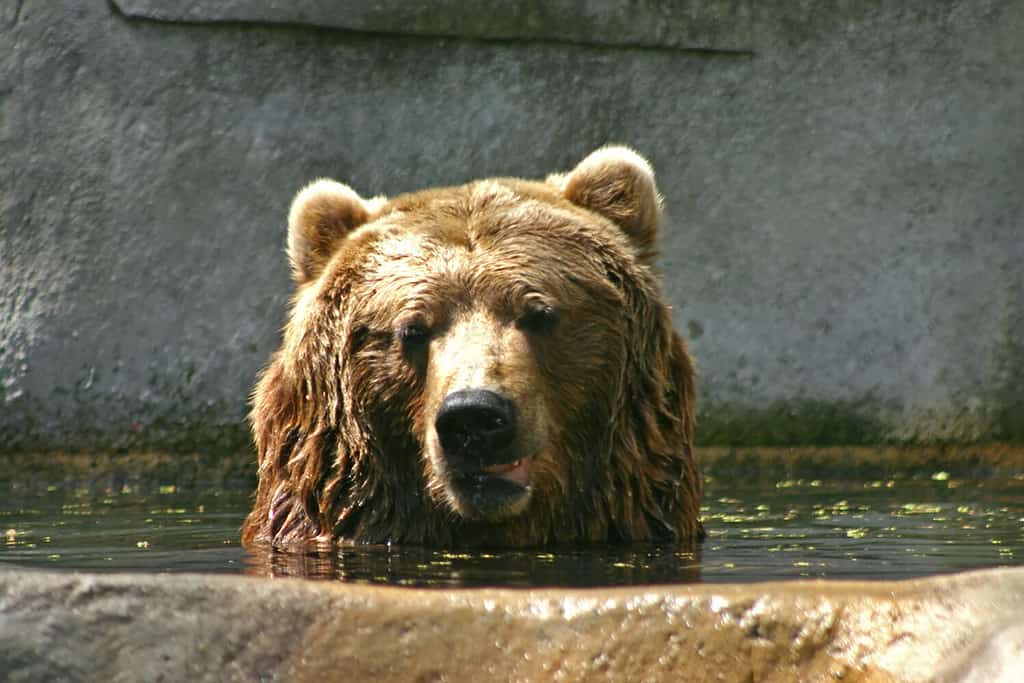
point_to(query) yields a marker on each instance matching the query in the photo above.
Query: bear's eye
(357, 340)
(538, 317)
(413, 336)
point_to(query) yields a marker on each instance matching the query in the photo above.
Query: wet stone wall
(843, 182)
(963, 628)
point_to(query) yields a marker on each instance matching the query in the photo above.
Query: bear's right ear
(322, 214)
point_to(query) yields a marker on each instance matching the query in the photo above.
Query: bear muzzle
(488, 474)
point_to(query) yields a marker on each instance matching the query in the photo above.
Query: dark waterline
(770, 529)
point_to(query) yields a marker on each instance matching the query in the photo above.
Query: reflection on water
(412, 566)
(757, 530)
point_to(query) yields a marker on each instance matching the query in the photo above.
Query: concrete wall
(845, 183)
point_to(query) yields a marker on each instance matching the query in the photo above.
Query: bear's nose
(476, 423)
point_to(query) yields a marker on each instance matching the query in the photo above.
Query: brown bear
(492, 364)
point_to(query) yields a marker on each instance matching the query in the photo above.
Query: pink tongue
(518, 471)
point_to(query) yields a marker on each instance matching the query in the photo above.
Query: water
(761, 528)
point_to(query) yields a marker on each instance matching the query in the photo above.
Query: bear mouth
(493, 492)
(518, 471)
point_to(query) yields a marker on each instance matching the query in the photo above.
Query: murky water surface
(772, 529)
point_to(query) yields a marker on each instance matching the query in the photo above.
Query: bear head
(489, 364)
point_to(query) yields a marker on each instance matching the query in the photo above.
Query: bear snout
(476, 428)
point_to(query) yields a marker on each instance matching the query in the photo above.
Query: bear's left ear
(322, 214)
(618, 183)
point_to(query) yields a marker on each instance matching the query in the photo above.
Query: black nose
(476, 423)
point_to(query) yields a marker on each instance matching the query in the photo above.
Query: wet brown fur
(341, 417)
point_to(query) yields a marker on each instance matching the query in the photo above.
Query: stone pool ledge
(71, 626)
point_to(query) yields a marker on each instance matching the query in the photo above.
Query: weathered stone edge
(199, 627)
(722, 26)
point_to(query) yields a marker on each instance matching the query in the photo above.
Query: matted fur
(343, 417)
